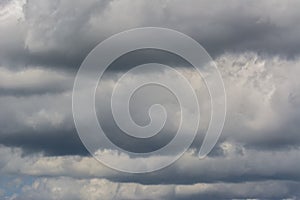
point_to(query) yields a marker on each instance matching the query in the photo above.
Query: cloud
(36, 112)
(57, 33)
(253, 174)
(263, 101)
(233, 167)
(33, 81)
(67, 188)
(256, 48)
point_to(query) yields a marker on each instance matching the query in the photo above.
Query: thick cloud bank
(256, 47)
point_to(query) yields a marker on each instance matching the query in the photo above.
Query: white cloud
(67, 188)
(263, 98)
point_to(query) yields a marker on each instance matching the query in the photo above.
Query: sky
(256, 46)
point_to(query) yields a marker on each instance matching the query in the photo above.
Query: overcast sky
(256, 46)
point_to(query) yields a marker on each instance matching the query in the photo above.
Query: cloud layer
(256, 47)
(58, 33)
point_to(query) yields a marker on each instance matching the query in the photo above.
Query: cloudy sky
(256, 46)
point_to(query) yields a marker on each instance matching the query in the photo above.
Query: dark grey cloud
(61, 34)
(54, 142)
